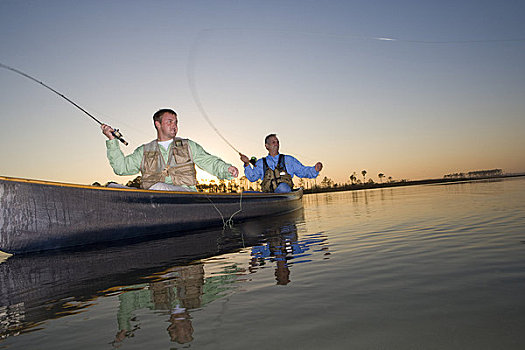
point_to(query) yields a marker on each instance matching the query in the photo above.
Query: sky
(410, 89)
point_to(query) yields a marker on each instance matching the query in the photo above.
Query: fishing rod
(115, 132)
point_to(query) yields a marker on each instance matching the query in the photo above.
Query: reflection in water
(166, 276)
(282, 249)
(361, 203)
(11, 319)
(181, 291)
(276, 250)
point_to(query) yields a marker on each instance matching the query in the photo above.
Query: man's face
(273, 145)
(168, 127)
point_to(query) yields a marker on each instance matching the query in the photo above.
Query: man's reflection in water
(279, 248)
(180, 328)
(189, 293)
(282, 273)
(179, 290)
(183, 288)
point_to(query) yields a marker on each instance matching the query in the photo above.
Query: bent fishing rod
(115, 132)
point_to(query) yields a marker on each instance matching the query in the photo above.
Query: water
(418, 267)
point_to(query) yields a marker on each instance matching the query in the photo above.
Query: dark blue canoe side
(41, 215)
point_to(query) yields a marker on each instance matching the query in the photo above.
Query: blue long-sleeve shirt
(293, 167)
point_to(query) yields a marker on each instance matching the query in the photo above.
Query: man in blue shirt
(277, 170)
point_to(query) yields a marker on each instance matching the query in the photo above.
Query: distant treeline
(370, 185)
(475, 174)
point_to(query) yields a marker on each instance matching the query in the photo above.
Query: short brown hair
(157, 117)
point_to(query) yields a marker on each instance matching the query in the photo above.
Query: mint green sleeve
(208, 162)
(123, 165)
(129, 302)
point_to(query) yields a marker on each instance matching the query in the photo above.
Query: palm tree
(353, 178)
(381, 176)
(364, 175)
(327, 182)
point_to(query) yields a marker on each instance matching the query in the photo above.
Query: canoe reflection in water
(166, 276)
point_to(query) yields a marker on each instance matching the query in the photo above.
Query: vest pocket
(183, 175)
(182, 155)
(150, 160)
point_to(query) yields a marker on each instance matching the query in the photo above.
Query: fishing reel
(253, 160)
(118, 135)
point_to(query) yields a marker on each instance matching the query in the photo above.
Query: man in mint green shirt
(168, 171)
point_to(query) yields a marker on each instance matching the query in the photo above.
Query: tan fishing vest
(180, 166)
(272, 178)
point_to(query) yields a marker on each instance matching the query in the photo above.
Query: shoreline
(357, 187)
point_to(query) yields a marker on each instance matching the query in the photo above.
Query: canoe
(42, 215)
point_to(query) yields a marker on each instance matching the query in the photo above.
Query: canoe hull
(39, 215)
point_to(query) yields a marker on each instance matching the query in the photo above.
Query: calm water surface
(419, 267)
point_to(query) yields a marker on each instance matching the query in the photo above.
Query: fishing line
(115, 132)
(229, 222)
(194, 93)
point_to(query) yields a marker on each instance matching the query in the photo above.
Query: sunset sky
(411, 89)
